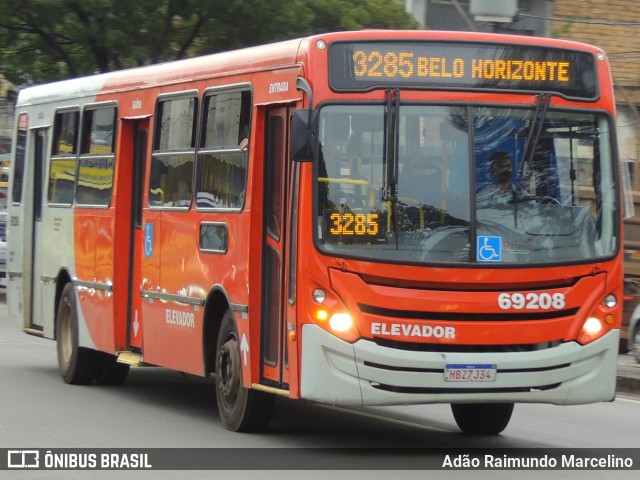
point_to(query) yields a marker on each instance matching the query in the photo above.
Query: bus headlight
(602, 319)
(341, 322)
(593, 326)
(319, 295)
(332, 315)
(592, 329)
(610, 301)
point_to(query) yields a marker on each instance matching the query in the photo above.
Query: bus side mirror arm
(304, 131)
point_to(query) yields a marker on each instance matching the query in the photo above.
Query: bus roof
(247, 59)
(274, 55)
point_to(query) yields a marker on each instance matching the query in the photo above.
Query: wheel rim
(228, 372)
(65, 335)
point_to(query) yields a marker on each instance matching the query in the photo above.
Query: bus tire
(635, 343)
(110, 372)
(482, 418)
(241, 409)
(77, 365)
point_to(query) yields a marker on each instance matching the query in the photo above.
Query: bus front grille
(465, 317)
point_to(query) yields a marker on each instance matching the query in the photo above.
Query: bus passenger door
(33, 264)
(137, 131)
(274, 351)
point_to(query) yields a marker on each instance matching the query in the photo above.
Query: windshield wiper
(535, 130)
(392, 142)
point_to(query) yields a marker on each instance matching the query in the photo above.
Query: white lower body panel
(364, 373)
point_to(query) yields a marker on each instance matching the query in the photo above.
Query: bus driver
(501, 190)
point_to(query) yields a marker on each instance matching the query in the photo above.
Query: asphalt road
(158, 408)
(628, 375)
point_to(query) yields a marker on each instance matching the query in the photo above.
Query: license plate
(465, 372)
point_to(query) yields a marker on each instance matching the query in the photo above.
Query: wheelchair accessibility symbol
(489, 249)
(148, 240)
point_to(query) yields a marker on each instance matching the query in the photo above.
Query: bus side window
(62, 172)
(173, 155)
(222, 159)
(96, 163)
(18, 168)
(158, 171)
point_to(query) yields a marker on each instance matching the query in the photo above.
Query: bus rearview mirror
(304, 136)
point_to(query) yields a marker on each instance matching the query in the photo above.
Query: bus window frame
(200, 150)
(613, 149)
(73, 156)
(112, 155)
(158, 153)
(17, 183)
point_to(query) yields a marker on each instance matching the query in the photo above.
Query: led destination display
(370, 65)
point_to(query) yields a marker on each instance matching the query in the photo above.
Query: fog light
(341, 322)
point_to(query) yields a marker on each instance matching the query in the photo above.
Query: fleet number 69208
(532, 301)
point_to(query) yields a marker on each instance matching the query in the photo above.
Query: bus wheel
(77, 364)
(482, 418)
(241, 409)
(635, 344)
(110, 372)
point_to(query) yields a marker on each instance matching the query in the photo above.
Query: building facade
(6, 116)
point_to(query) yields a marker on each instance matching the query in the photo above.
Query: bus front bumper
(364, 373)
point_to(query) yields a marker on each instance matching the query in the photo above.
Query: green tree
(45, 40)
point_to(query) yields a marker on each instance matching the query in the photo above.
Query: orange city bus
(355, 218)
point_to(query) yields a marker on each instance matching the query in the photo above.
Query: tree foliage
(45, 40)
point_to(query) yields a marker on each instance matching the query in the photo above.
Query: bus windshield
(459, 184)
